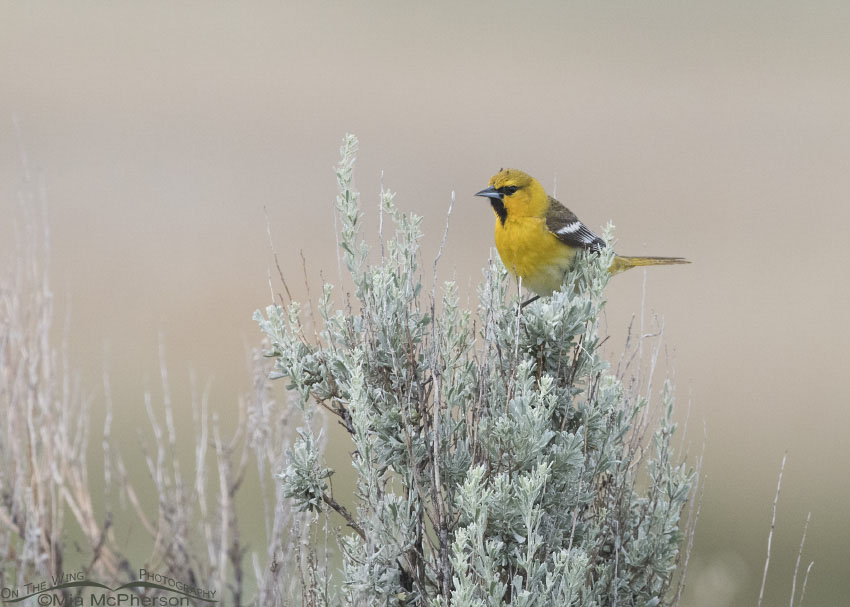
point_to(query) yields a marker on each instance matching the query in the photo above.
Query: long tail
(621, 263)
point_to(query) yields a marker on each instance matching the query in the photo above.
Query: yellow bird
(538, 237)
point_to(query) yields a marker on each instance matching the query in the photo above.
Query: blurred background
(165, 133)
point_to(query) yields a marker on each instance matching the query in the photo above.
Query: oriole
(537, 237)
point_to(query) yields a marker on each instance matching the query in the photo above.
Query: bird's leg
(532, 300)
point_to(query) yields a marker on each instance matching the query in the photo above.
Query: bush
(499, 460)
(57, 517)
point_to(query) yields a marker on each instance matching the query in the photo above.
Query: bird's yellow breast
(530, 251)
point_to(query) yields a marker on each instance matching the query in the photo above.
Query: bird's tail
(621, 263)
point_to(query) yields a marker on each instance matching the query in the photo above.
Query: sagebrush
(499, 459)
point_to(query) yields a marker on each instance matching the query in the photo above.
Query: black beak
(490, 193)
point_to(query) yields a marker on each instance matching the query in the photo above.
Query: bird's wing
(564, 224)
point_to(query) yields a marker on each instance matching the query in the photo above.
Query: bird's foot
(532, 300)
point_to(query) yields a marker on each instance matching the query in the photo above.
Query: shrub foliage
(499, 460)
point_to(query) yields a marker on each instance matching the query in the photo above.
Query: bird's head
(515, 194)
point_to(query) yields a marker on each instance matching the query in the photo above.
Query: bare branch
(772, 527)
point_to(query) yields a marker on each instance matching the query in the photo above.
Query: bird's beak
(489, 193)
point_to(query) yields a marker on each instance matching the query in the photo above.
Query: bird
(538, 238)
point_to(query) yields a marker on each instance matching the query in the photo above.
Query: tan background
(718, 132)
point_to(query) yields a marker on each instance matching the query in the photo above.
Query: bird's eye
(508, 189)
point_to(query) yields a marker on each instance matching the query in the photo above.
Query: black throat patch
(499, 207)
